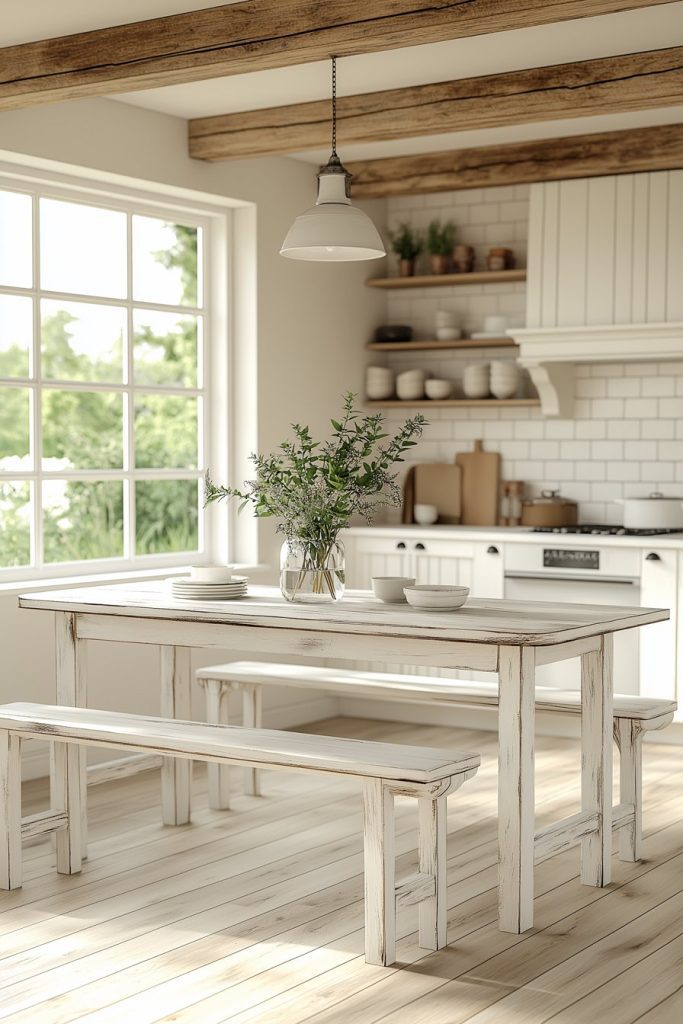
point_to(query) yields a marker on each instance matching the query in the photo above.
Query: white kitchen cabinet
(429, 559)
(658, 646)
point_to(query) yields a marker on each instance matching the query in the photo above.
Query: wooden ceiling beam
(255, 35)
(580, 156)
(609, 85)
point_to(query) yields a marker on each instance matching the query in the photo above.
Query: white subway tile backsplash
(607, 450)
(660, 429)
(626, 433)
(659, 386)
(573, 450)
(623, 428)
(640, 408)
(623, 387)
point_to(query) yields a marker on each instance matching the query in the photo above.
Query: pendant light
(333, 229)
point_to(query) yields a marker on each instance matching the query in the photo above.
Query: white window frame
(214, 355)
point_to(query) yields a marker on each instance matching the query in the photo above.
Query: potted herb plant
(440, 239)
(314, 487)
(407, 243)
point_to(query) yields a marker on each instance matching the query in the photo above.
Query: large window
(103, 335)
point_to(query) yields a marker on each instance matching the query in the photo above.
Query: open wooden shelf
(461, 403)
(439, 280)
(425, 346)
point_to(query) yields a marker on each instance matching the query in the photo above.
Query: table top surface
(527, 623)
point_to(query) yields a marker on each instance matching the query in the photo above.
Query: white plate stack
(187, 589)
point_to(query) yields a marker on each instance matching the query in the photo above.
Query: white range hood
(605, 278)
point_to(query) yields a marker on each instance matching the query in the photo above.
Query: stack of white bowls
(476, 380)
(446, 325)
(410, 385)
(504, 379)
(379, 382)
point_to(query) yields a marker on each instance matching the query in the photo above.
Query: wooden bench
(633, 716)
(385, 769)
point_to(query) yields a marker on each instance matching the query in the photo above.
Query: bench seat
(385, 769)
(633, 716)
(414, 688)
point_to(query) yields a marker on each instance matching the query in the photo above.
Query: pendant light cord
(334, 106)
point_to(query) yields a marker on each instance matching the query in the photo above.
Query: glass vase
(310, 574)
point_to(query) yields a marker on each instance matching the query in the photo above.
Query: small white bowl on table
(390, 589)
(426, 597)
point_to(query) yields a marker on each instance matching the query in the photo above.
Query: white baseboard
(35, 760)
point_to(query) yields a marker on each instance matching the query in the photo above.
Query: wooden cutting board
(479, 486)
(438, 483)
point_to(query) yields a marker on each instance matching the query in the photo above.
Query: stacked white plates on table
(193, 590)
(504, 378)
(379, 382)
(410, 385)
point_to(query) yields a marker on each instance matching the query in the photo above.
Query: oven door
(575, 589)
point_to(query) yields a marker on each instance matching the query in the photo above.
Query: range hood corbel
(550, 354)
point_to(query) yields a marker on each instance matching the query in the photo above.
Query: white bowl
(390, 588)
(438, 388)
(425, 515)
(211, 573)
(436, 598)
(495, 324)
(410, 392)
(377, 392)
(448, 333)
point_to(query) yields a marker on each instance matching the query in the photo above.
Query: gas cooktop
(600, 530)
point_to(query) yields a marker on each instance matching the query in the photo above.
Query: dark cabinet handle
(420, 546)
(493, 550)
(400, 546)
(653, 557)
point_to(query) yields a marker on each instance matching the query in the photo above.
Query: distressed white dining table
(509, 638)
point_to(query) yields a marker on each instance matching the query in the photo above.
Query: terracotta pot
(406, 268)
(463, 258)
(439, 264)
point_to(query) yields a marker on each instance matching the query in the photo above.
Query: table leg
(596, 760)
(516, 802)
(71, 692)
(176, 773)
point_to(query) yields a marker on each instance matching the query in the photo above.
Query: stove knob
(653, 557)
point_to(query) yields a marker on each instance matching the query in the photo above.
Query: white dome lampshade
(333, 230)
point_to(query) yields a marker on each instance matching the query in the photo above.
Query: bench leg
(176, 772)
(10, 811)
(217, 696)
(432, 861)
(252, 718)
(380, 898)
(629, 737)
(66, 793)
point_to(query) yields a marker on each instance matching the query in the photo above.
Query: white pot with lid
(652, 513)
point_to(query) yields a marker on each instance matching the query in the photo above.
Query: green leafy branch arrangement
(313, 488)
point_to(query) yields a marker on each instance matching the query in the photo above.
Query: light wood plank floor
(255, 915)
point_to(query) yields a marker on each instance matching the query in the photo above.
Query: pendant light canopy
(333, 229)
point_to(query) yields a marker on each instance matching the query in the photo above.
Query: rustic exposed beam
(580, 156)
(255, 35)
(635, 81)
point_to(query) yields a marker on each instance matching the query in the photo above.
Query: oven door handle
(627, 581)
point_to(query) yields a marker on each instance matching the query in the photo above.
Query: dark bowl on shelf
(394, 332)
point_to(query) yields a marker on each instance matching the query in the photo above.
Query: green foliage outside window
(83, 429)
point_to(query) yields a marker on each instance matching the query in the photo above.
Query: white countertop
(519, 534)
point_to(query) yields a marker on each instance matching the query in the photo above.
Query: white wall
(627, 430)
(310, 317)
